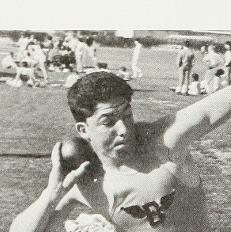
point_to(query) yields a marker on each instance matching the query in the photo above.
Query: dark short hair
(123, 68)
(102, 65)
(94, 88)
(195, 76)
(187, 43)
(89, 41)
(219, 72)
(24, 64)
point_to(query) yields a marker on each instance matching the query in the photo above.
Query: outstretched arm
(45, 210)
(198, 119)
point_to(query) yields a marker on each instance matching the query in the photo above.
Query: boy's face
(110, 130)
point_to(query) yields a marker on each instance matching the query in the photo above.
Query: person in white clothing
(24, 72)
(22, 46)
(138, 176)
(213, 62)
(194, 87)
(81, 46)
(228, 61)
(213, 83)
(136, 71)
(39, 56)
(72, 41)
(8, 61)
(89, 54)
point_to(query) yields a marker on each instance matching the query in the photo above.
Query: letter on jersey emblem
(152, 210)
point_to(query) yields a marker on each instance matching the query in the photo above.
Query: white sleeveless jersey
(153, 201)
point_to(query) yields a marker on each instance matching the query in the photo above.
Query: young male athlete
(146, 179)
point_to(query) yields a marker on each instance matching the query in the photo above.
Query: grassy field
(32, 120)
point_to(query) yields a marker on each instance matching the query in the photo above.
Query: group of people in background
(53, 54)
(217, 74)
(71, 53)
(77, 53)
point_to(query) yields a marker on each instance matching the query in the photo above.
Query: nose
(121, 128)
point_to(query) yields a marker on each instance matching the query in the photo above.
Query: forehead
(113, 106)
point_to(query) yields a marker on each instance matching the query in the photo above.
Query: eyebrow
(116, 111)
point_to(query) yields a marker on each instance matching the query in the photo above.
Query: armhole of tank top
(178, 180)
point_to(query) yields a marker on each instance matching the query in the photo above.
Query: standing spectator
(185, 61)
(136, 71)
(40, 58)
(228, 61)
(72, 41)
(47, 45)
(89, 54)
(79, 55)
(32, 38)
(22, 44)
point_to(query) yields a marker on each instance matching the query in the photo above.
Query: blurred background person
(40, 58)
(228, 61)
(136, 71)
(89, 54)
(22, 46)
(213, 62)
(194, 87)
(79, 51)
(185, 62)
(9, 61)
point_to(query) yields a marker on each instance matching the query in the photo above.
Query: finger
(73, 175)
(56, 155)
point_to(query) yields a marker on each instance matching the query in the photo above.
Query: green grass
(32, 120)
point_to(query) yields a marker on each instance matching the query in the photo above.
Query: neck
(121, 164)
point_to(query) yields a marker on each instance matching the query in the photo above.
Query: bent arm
(44, 212)
(36, 216)
(198, 119)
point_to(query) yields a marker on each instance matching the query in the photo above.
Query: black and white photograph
(113, 128)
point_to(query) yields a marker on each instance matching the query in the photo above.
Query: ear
(81, 128)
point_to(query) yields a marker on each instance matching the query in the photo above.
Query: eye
(107, 121)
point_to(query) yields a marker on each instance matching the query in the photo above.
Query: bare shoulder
(150, 139)
(153, 132)
(179, 160)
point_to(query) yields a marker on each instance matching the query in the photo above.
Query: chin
(122, 152)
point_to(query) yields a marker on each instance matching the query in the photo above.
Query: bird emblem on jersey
(154, 212)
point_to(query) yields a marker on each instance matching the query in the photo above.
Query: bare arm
(198, 119)
(179, 59)
(45, 210)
